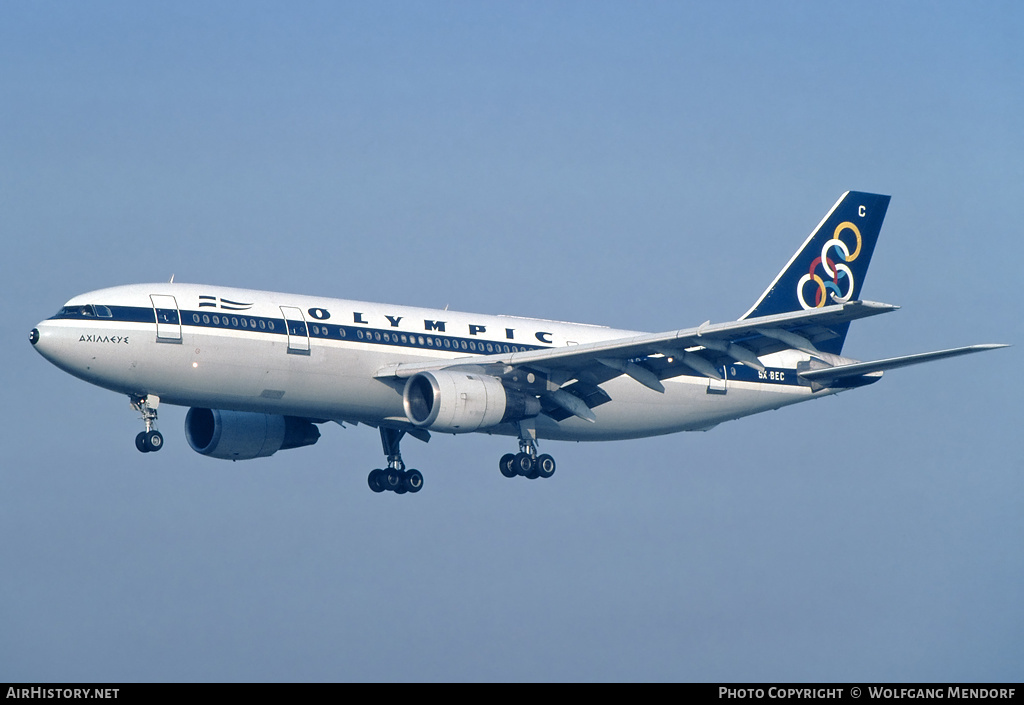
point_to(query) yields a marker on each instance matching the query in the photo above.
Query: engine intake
(242, 435)
(457, 402)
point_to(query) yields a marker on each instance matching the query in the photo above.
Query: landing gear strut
(526, 463)
(394, 477)
(150, 440)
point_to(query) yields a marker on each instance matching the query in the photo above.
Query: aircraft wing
(839, 372)
(650, 358)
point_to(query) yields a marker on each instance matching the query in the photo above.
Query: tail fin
(830, 266)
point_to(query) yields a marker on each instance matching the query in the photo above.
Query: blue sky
(642, 165)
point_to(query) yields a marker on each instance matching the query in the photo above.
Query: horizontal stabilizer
(831, 374)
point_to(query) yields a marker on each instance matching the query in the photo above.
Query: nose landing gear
(150, 440)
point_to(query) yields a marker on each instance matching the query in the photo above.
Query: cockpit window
(86, 311)
(75, 312)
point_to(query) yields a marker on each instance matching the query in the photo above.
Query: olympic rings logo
(837, 276)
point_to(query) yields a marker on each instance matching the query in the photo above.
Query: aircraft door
(168, 320)
(719, 386)
(298, 332)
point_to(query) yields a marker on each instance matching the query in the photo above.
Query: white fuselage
(222, 348)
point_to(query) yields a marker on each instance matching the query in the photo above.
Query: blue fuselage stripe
(315, 330)
(205, 319)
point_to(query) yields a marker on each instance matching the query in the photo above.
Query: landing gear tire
(522, 463)
(412, 481)
(154, 441)
(506, 465)
(149, 441)
(545, 466)
(376, 481)
(392, 479)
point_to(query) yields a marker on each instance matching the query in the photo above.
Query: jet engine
(458, 402)
(241, 435)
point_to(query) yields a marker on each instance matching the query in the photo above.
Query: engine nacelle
(241, 435)
(459, 402)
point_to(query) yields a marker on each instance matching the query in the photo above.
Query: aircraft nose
(46, 342)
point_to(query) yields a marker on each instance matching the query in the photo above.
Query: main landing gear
(526, 463)
(150, 440)
(394, 477)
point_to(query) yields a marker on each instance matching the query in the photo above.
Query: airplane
(261, 371)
